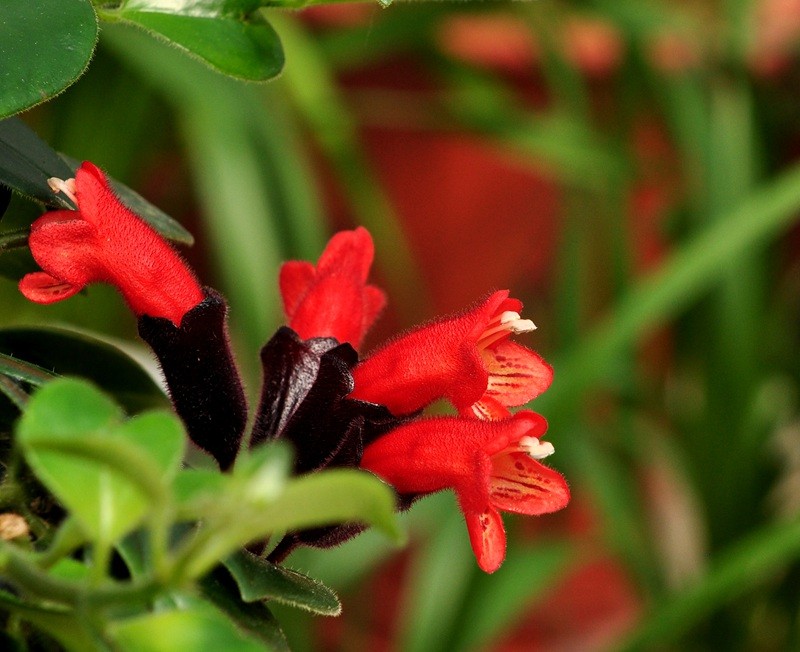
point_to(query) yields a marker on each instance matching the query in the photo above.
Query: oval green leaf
(248, 49)
(44, 47)
(108, 473)
(258, 579)
(67, 353)
(27, 162)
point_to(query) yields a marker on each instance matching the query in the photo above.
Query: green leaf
(251, 510)
(196, 486)
(258, 579)
(27, 162)
(231, 37)
(65, 353)
(198, 628)
(107, 473)
(44, 46)
(252, 617)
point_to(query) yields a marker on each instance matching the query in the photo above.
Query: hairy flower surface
(105, 242)
(488, 456)
(337, 410)
(491, 466)
(467, 358)
(332, 299)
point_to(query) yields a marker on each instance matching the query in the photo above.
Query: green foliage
(230, 36)
(45, 46)
(122, 486)
(692, 440)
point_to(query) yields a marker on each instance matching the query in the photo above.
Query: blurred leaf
(230, 36)
(693, 269)
(258, 579)
(198, 485)
(104, 471)
(256, 507)
(253, 617)
(754, 559)
(27, 162)
(67, 353)
(436, 590)
(198, 628)
(497, 602)
(44, 46)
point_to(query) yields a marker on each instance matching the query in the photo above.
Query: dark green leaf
(27, 162)
(44, 46)
(67, 353)
(252, 617)
(247, 48)
(258, 579)
(108, 473)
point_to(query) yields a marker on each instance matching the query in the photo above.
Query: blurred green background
(630, 170)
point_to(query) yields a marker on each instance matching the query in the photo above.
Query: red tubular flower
(467, 359)
(491, 465)
(333, 298)
(104, 242)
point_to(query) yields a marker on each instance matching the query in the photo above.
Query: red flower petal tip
(332, 299)
(103, 241)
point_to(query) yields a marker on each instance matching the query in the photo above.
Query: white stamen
(505, 323)
(536, 448)
(512, 321)
(67, 187)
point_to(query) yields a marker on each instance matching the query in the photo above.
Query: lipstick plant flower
(335, 408)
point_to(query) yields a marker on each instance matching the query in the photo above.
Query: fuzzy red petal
(40, 287)
(436, 360)
(296, 277)
(523, 485)
(431, 454)
(487, 536)
(333, 299)
(104, 241)
(516, 375)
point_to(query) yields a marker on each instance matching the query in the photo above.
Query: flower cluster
(336, 409)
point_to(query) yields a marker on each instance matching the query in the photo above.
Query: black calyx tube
(202, 377)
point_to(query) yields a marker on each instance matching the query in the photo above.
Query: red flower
(491, 465)
(489, 461)
(467, 359)
(104, 242)
(333, 298)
